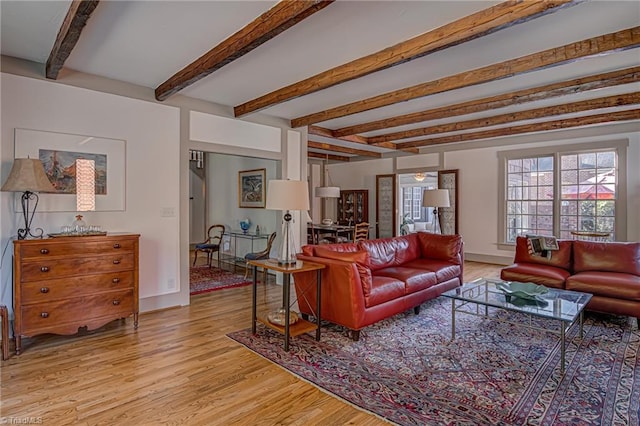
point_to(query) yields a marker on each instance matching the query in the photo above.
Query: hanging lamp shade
(327, 192)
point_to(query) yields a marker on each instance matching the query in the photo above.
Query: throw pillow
(360, 258)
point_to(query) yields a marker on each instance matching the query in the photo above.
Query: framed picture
(251, 188)
(58, 152)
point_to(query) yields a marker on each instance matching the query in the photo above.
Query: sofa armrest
(342, 292)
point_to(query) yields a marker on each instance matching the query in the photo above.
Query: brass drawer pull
(116, 262)
(44, 269)
(44, 290)
(115, 280)
(116, 246)
(44, 314)
(116, 302)
(44, 251)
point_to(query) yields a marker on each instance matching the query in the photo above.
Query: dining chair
(211, 245)
(361, 231)
(264, 254)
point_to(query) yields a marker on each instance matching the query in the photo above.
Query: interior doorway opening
(413, 217)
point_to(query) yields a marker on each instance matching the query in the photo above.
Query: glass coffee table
(476, 297)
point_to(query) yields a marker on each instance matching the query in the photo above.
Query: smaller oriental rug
(203, 279)
(406, 370)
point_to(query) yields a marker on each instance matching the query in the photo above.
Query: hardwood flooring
(177, 368)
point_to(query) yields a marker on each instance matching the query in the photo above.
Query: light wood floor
(177, 368)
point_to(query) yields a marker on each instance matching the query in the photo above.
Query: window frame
(619, 146)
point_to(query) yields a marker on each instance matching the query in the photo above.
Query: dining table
(317, 229)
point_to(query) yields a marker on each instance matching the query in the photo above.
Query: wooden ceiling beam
(328, 133)
(279, 18)
(609, 117)
(569, 87)
(327, 156)
(503, 15)
(345, 150)
(77, 16)
(591, 104)
(600, 45)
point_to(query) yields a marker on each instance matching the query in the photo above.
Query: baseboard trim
(488, 258)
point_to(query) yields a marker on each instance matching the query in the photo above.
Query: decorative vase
(79, 226)
(244, 225)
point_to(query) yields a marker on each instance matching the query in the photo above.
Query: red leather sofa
(370, 280)
(608, 270)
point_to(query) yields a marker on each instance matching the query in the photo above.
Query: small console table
(302, 325)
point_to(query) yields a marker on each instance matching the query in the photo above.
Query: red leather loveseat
(368, 281)
(608, 270)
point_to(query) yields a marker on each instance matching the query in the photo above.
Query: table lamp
(27, 176)
(287, 195)
(435, 198)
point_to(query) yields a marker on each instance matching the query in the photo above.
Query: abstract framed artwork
(251, 188)
(58, 153)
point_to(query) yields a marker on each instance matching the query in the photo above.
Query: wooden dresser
(63, 284)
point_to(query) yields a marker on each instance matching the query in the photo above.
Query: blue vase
(244, 225)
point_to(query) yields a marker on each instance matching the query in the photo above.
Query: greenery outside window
(558, 190)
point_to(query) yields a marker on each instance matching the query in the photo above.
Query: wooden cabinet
(66, 283)
(353, 206)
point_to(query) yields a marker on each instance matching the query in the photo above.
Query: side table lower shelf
(300, 327)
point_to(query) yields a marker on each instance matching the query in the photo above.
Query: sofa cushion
(607, 284)
(560, 258)
(441, 247)
(445, 271)
(360, 258)
(386, 252)
(415, 279)
(606, 256)
(310, 250)
(546, 275)
(384, 289)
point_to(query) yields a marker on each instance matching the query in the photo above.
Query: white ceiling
(146, 42)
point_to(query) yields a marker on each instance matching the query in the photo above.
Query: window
(555, 193)
(412, 202)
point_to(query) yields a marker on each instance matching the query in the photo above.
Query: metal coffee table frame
(561, 305)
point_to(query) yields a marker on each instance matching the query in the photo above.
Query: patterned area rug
(405, 370)
(203, 279)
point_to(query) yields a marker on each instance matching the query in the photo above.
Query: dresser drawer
(47, 269)
(78, 311)
(57, 247)
(61, 288)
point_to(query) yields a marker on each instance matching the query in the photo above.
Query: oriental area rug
(203, 279)
(406, 370)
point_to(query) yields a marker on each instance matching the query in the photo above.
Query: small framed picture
(251, 188)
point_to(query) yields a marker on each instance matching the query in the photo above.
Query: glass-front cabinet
(353, 206)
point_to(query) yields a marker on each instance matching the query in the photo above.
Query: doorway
(197, 197)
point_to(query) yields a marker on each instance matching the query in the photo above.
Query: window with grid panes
(559, 192)
(588, 192)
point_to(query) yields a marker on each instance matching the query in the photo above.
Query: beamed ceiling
(367, 78)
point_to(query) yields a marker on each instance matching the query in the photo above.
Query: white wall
(222, 192)
(360, 175)
(151, 132)
(158, 141)
(478, 181)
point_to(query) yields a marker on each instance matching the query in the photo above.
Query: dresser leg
(18, 344)
(135, 321)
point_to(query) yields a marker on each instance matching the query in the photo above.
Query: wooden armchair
(211, 245)
(264, 254)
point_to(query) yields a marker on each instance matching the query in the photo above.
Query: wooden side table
(301, 326)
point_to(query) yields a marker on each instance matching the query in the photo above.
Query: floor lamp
(27, 176)
(287, 195)
(435, 198)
